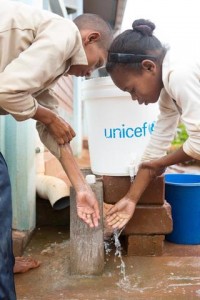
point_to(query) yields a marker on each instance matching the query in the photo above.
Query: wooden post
(86, 244)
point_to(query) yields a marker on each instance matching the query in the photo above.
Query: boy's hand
(119, 215)
(61, 130)
(88, 208)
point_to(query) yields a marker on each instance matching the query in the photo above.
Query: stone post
(86, 244)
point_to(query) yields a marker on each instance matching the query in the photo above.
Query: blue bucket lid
(183, 179)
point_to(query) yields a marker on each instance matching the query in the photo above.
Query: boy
(37, 47)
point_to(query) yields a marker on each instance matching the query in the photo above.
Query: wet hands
(88, 208)
(119, 215)
(61, 130)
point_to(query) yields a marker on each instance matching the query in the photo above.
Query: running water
(118, 251)
(124, 283)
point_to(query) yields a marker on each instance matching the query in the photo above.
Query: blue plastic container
(182, 192)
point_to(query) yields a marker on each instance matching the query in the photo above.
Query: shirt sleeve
(164, 130)
(47, 100)
(37, 66)
(47, 139)
(184, 86)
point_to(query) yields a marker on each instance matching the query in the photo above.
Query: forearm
(44, 115)
(72, 169)
(142, 180)
(151, 169)
(178, 156)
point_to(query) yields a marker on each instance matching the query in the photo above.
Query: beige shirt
(36, 48)
(179, 101)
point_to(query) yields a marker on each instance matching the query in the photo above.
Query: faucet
(132, 168)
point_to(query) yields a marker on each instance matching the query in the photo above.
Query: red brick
(116, 187)
(150, 219)
(144, 245)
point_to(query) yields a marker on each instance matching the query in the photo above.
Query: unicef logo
(151, 127)
(124, 131)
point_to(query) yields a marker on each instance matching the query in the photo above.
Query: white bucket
(118, 128)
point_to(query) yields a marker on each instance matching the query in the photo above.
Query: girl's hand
(155, 167)
(119, 215)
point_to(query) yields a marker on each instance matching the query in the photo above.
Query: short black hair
(97, 23)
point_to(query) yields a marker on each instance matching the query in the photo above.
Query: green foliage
(181, 135)
(180, 138)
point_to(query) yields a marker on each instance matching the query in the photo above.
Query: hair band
(128, 57)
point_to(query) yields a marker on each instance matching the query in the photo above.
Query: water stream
(118, 253)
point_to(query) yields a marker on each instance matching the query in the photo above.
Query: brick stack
(145, 232)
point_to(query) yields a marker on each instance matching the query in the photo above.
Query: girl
(139, 64)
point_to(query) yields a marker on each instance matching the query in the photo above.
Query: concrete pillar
(20, 157)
